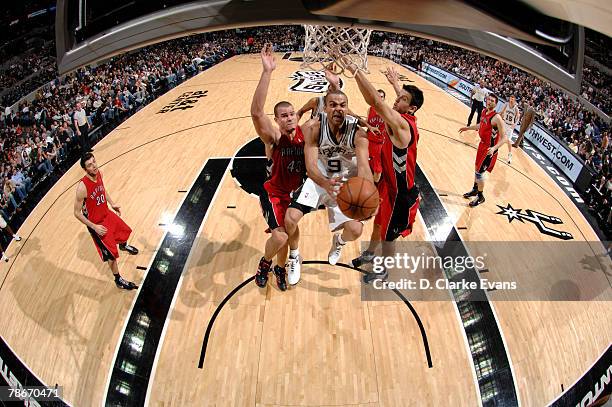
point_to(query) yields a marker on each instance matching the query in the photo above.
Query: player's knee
(280, 236)
(480, 176)
(354, 227)
(292, 217)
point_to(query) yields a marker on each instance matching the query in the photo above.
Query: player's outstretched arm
(263, 125)
(361, 152)
(400, 128)
(466, 128)
(393, 77)
(332, 79)
(310, 105)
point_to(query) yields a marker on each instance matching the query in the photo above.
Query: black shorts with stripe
(397, 214)
(273, 208)
(105, 253)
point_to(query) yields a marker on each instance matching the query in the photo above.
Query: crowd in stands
(21, 75)
(38, 138)
(27, 48)
(596, 88)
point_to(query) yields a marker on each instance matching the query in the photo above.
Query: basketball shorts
(310, 195)
(509, 127)
(397, 212)
(274, 208)
(374, 151)
(484, 161)
(117, 231)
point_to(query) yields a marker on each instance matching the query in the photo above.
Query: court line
(441, 228)
(429, 237)
(140, 343)
(369, 308)
(214, 317)
(180, 283)
(245, 282)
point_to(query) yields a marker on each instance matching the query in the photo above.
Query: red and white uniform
(399, 196)
(286, 175)
(96, 210)
(375, 141)
(488, 138)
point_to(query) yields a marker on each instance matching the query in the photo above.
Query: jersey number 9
(334, 165)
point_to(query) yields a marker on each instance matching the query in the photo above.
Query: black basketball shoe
(124, 284)
(364, 258)
(369, 278)
(281, 277)
(477, 201)
(261, 277)
(127, 248)
(470, 194)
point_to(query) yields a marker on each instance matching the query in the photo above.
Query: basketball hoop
(349, 42)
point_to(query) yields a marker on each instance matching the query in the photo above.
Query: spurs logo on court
(185, 101)
(537, 219)
(310, 81)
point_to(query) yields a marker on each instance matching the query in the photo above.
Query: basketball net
(348, 43)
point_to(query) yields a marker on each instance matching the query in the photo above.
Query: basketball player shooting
(336, 149)
(492, 136)
(106, 228)
(398, 193)
(285, 146)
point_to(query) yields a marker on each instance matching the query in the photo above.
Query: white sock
(294, 253)
(340, 241)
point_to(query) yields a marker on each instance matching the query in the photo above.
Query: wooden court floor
(318, 343)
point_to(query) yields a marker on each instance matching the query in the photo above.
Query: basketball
(358, 198)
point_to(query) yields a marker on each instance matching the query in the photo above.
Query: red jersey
(95, 206)
(375, 120)
(288, 167)
(399, 164)
(486, 131)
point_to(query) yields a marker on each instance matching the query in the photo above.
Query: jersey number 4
(295, 166)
